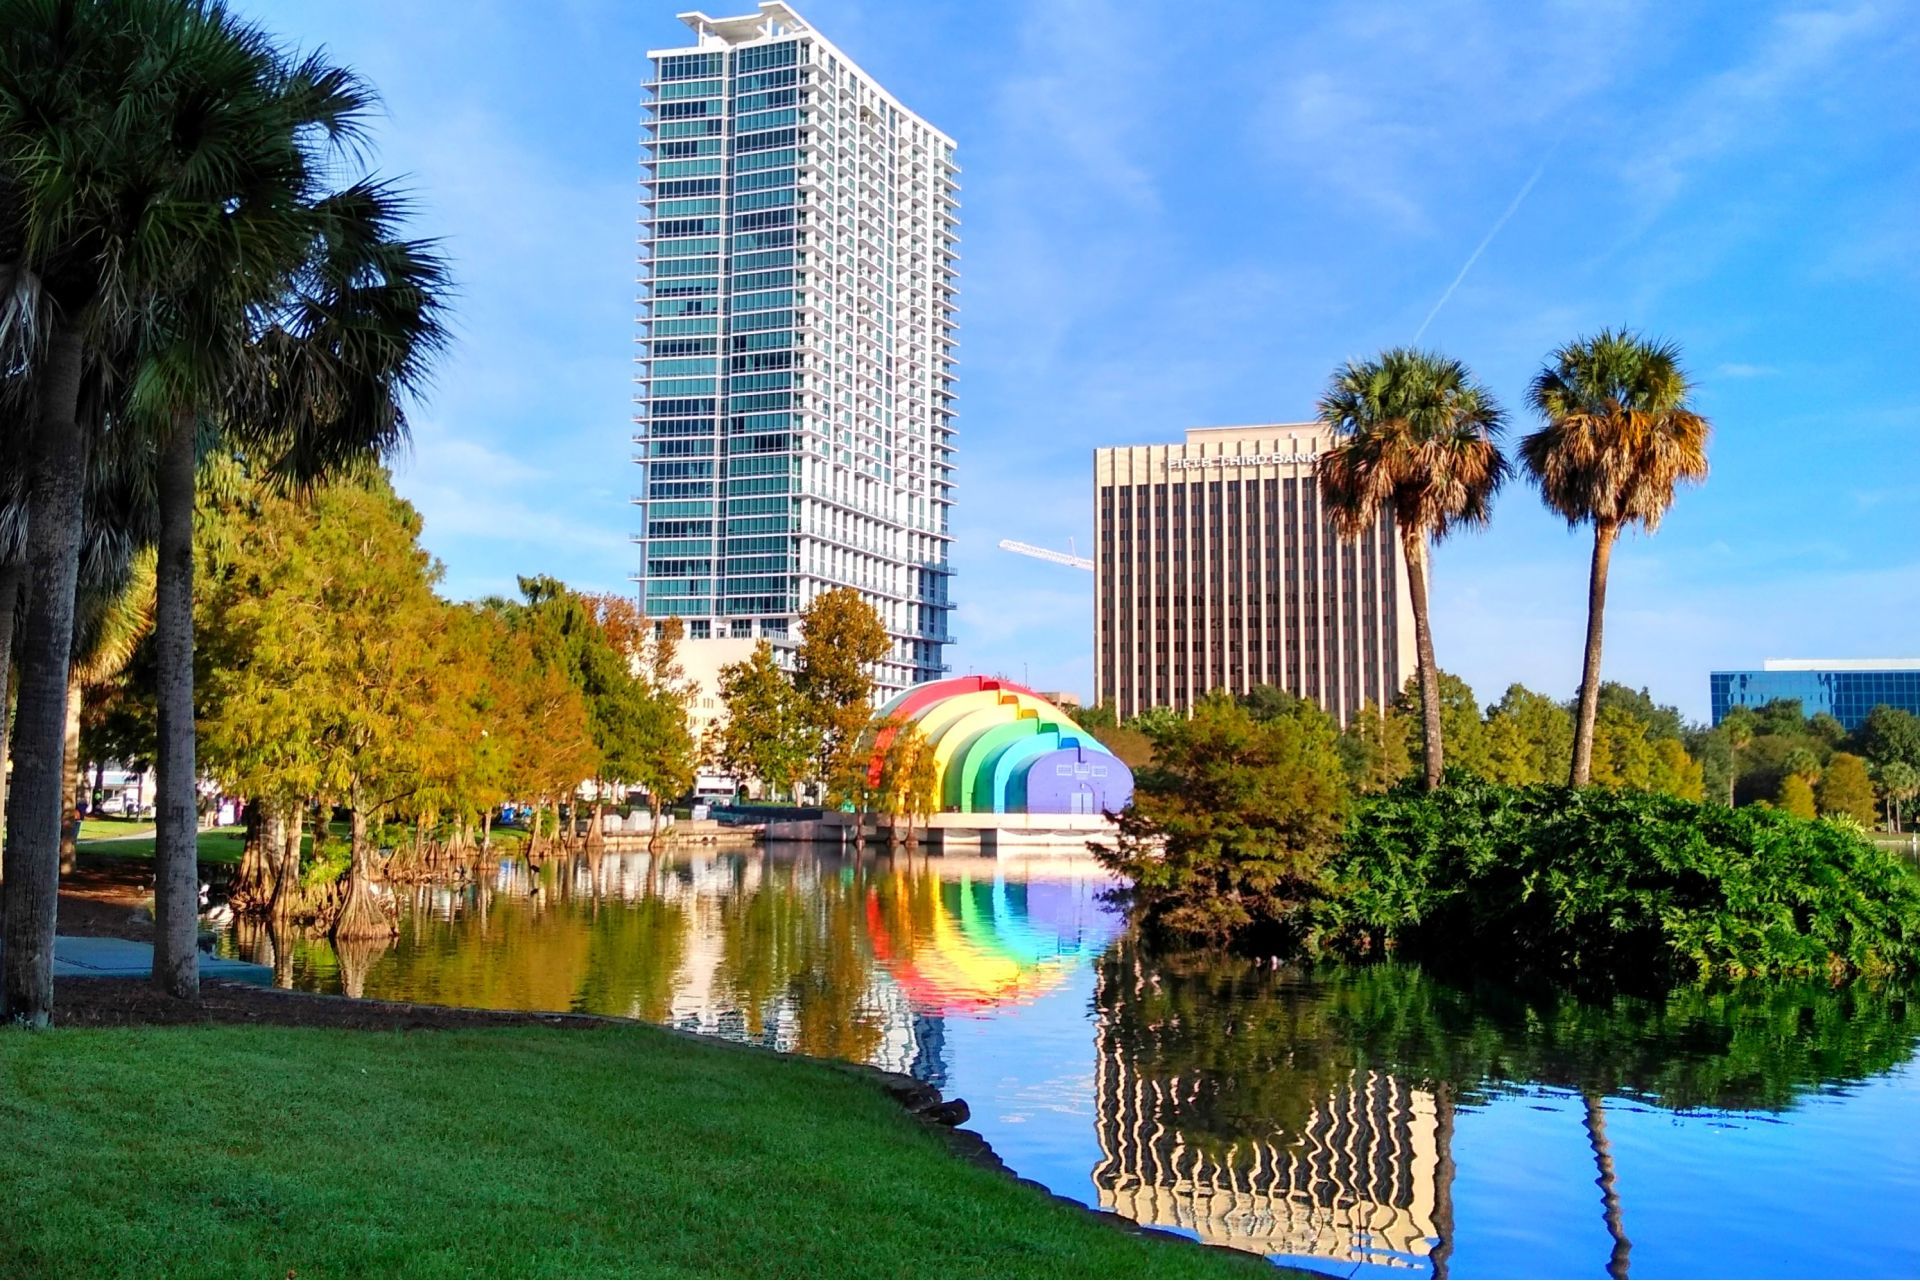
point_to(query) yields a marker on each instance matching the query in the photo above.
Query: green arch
(976, 773)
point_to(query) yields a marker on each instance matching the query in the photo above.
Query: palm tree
(1418, 442)
(1619, 436)
(127, 137)
(300, 356)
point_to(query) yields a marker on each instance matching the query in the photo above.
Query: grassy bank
(216, 1151)
(102, 838)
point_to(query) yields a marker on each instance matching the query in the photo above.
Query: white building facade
(794, 420)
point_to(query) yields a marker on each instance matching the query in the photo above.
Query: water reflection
(1367, 1119)
(805, 951)
(1312, 1113)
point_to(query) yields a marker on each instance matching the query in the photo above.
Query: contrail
(1487, 240)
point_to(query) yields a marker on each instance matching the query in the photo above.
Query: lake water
(1366, 1121)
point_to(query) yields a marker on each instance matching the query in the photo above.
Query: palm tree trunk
(54, 515)
(1603, 536)
(10, 576)
(70, 778)
(1443, 1175)
(1415, 545)
(176, 964)
(1609, 1191)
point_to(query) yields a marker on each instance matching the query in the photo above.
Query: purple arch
(1077, 780)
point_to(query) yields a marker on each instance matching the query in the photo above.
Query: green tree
(1155, 721)
(1528, 737)
(126, 131)
(768, 733)
(1846, 789)
(1661, 720)
(1675, 772)
(1620, 434)
(1899, 786)
(1780, 716)
(1461, 730)
(841, 639)
(1889, 734)
(667, 756)
(1232, 824)
(1419, 443)
(1374, 750)
(330, 671)
(1796, 796)
(909, 776)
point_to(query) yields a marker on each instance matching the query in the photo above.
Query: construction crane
(1071, 559)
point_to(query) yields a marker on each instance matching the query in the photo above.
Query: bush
(1231, 825)
(1604, 884)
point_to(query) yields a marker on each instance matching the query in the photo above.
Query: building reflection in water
(1350, 1165)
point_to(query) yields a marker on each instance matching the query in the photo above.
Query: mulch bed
(104, 898)
(136, 1002)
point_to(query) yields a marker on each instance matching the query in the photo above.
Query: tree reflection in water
(1301, 1112)
(1310, 1112)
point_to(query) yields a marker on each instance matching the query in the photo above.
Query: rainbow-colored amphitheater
(1000, 748)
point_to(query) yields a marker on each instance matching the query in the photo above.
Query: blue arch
(1010, 773)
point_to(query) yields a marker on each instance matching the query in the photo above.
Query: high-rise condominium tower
(794, 422)
(1216, 569)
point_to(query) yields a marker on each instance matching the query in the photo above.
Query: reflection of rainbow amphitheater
(948, 937)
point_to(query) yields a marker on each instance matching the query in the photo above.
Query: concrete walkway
(99, 958)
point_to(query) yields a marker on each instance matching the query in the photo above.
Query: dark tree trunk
(1603, 536)
(1609, 1189)
(362, 915)
(10, 577)
(35, 808)
(70, 778)
(286, 877)
(176, 965)
(1443, 1173)
(1415, 545)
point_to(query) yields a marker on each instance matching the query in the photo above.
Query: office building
(1215, 569)
(1844, 688)
(794, 418)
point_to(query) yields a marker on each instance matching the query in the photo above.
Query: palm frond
(1416, 438)
(1619, 431)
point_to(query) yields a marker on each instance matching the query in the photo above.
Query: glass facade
(794, 420)
(1843, 693)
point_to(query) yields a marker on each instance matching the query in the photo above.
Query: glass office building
(1846, 688)
(794, 418)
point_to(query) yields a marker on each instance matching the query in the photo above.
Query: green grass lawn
(217, 844)
(225, 1151)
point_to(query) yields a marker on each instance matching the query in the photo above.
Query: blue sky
(1180, 215)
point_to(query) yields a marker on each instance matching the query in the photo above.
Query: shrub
(1231, 825)
(1605, 884)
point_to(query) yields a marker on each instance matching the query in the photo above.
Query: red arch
(921, 697)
